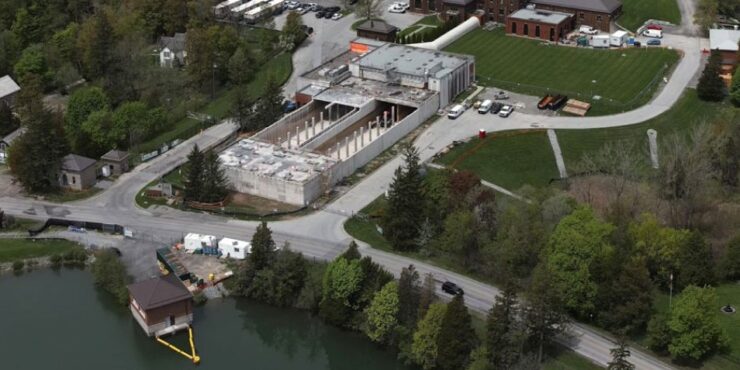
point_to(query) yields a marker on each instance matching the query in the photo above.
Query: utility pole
(670, 289)
(213, 81)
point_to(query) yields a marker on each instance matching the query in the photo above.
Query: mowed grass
(623, 78)
(636, 12)
(688, 112)
(726, 294)
(509, 159)
(12, 250)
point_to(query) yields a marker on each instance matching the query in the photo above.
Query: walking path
(558, 153)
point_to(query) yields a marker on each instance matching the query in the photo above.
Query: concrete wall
(245, 181)
(386, 139)
(280, 128)
(339, 126)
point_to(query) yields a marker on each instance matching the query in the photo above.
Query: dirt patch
(258, 205)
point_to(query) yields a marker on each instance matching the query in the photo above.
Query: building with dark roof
(161, 304)
(541, 24)
(77, 172)
(172, 50)
(377, 30)
(8, 90)
(595, 13)
(116, 161)
(8, 140)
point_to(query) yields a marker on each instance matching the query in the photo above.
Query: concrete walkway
(558, 153)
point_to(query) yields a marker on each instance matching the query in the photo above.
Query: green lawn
(727, 294)
(625, 79)
(509, 159)
(71, 195)
(688, 112)
(636, 12)
(12, 250)
(430, 20)
(279, 67)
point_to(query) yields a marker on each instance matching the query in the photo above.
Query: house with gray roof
(77, 172)
(172, 50)
(8, 90)
(116, 162)
(7, 141)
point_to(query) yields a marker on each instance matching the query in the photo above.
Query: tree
(695, 327)
(456, 336)
(424, 345)
(8, 121)
(352, 253)
(427, 294)
(95, 42)
(33, 61)
(460, 237)
(35, 158)
(544, 316)
(735, 89)
(215, 184)
(97, 127)
(342, 282)
(629, 301)
(577, 247)
(241, 66)
(194, 175)
(696, 262)
(731, 259)
(658, 245)
(620, 354)
(280, 284)
(293, 30)
(659, 334)
(263, 247)
(504, 333)
(706, 13)
(110, 274)
(201, 57)
(711, 87)
(382, 314)
(404, 215)
(369, 9)
(409, 294)
(81, 104)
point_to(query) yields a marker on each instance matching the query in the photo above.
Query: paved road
(321, 235)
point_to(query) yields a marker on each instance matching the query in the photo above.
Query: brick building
(377, 30)
(595, 13)
(498, 10)
(541, 24)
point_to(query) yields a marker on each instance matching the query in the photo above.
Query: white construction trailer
(600, 41)
(232, 248)
(223, 8)
(618, 38)
(194, 241)
(263, 11)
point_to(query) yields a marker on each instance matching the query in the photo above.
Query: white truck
(618, 38)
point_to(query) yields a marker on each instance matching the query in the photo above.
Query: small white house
(600, 41)
(619, 38)
(232, 248)
(172, 50)
(198, 241)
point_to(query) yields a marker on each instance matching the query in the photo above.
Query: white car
(456, 111)
(293, 4)
(403, 5)
(395, 8)
(588, 30)
(506, 111)
(336, 16)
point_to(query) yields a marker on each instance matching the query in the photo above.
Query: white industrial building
(353, 107)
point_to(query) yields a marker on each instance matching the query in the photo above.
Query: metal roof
(159, 291)
(725, 40)
(542, 16)
(377, 26)
(76, 163)
(115, 155)
(8, 86)
(602, 6)
(8, 139)
(176, 43)
(411, 60)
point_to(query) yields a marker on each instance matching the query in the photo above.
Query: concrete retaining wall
(281, 127)
(290, 192)
(338, 127)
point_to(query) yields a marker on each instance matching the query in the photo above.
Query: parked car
(456, 111)
(653, 42)
(544, 102)
(557, 102)
(501, 95)
(658, 34)
(496, 107)
(289, 106)
(320, 14)
(395, 8)
(293, 5)
(402, 4)
(313, 7)
(76, 229)
(653, 26)
(336, 16)
(452, 288)
(637, 44)
(332, 9)
(485, 106)
(506, 111)
(588, 30)
(308, 30)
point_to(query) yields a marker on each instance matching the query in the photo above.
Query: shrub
(56, 260)
(110, 274)
(18, 266)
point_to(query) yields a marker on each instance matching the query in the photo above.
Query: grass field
(509, 159)
(636, 12)
(12, 250)
(688, 112)
(625, 79)
(430, 20)
(727, 294)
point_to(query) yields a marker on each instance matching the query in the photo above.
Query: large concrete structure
(354, 106)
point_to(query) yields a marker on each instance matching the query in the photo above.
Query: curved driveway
(321, 235)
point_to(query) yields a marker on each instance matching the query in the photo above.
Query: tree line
(205, 180)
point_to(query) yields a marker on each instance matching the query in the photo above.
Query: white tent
(233, 248)
(195, 241)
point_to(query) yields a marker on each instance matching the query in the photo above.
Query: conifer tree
(456, 337)
(505, 334)
(711, 87)
(215, 183)
(194, 183)
(263, 247)
(405, 212)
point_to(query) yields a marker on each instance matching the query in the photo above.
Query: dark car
(319, 14)
(452, 288)
(308, 30)
(653, 42)
(332, 9)
(557, 102)
(637, 44)
(289, 106)
(496, 107)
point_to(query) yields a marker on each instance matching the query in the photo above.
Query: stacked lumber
(577, 107)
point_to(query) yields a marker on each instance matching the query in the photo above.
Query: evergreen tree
(427, 294)
(545, 316)
(405, 212)
(409, 293)
(731, 260)
(194, 184)
(735, 88)
(215, 184)
(620, 354)
(456, 336)
(95, 44)
(8, 121)
(505, 334)
(36, 157)
(263, 247)
(629, 300)
(696, 262)
(711, 86)
(352, 253)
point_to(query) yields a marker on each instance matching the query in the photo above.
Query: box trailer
(600, 41)
(193, 242)
(232, 248)
(619, 38)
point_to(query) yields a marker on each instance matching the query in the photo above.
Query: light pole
(213, 81)
(670, 289)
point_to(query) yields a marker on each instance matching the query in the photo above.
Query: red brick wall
(529, 29)
(600, 21)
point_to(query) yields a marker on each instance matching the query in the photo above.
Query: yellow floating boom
(190, 356)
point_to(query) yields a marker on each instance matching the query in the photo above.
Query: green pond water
(59, 320)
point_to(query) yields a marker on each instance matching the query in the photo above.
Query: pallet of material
(576, 107)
